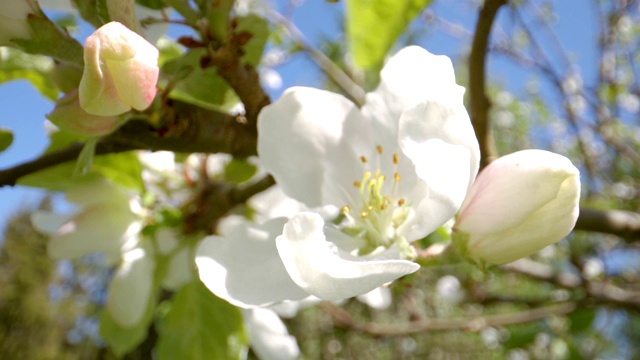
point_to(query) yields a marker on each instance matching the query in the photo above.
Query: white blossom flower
(393, 172)
(520, 203)
(108, 221)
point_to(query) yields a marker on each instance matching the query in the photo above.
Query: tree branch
(625, 224)
(190, 129)
(353, 91)
(479, 100)
(343, 319)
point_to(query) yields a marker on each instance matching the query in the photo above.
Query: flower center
(379, 215)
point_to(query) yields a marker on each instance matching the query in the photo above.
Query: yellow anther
(383, 206)
(363, 159)
(380, 149)
(397, 177)
(357, 184)
(364, 214)
(345, 209)
(396, 158)
(401, 201)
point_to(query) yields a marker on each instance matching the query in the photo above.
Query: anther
(397, 177)
(363, 159)
(364, 214)
(380, 149)
(357, 184)
(345, 209)
(401, 201)
(396, 159)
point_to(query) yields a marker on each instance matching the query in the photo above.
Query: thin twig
(343, 319)
(334, 72)
(479, 100)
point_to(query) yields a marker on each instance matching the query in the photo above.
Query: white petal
(440, 142)
(244, 268)
(269, 336)
(130, 288)
(316, 267)
(180, 270)
(411, 76)
(48, 222)
(378, 298)
(311, 141)
(100, 228)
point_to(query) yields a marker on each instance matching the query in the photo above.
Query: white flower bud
(518, 205)
(120, 71)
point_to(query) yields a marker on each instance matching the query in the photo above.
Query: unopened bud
(519, 204)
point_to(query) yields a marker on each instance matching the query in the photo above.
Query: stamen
(397, 177)
(364, 214)
(380, 149)
(345, 209)
(396, 158)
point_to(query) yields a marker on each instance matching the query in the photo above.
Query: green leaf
(197, 86)
(92, 11)
(6, 139)
(582, 319)
(153, 4)
(259, 29)
(123, 168)
(201, 326)
(218, 16)
(238, 171)
(122, 340)
(373, 26)
(15, 64)
(50, 40)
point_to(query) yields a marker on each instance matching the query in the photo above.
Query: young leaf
(6, 139)
(259, 30)
(123, 340)
(374, 26)
(51, 41)
(201, 326)
(197, 86)
(15, 64)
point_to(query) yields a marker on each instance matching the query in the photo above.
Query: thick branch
(191, 129)
(479, 100)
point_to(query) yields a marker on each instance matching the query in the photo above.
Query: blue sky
(23, 108)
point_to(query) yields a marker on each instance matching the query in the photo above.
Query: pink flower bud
(120, 71)
(70, 117)
(519, 204)
(13, 21)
